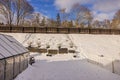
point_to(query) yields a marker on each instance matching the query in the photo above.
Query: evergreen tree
(58, 22)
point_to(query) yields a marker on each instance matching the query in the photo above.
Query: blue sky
(45, 7)
(101, 9)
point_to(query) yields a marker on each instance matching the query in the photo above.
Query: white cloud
(106, 5)
(67, 4)
(106, 8)
(102, 16)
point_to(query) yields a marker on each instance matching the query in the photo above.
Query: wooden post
(113, 71)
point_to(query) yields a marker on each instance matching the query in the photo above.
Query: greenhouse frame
(13, 57)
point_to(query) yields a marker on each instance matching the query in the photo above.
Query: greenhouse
(13, 57)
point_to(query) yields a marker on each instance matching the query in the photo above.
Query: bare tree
(63, 14)
(116, 20)
(43, 22)
(27, 23)
(7, 10)
(36, 19)
(51, 23)
(67, 23)
(96, 24)
(78, 14)
(15, 8)
(107, 24)
(81, 14)
(23, 9)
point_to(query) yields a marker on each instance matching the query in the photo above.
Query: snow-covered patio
(64, 67)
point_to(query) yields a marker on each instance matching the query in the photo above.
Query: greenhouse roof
(10, 47)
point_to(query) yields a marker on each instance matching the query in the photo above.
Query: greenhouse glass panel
(26, 55)
(15, 41)
(2, 65)
(21, 63)
(9, 69)
(16, 66)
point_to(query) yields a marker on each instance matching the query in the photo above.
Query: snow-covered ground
(93, 46)
(107, 45)
(101, 50)
(64, 67)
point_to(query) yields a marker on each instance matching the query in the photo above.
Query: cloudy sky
(101, 9)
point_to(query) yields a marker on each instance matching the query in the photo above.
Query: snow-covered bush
(47, 45)
(38, 44)
(101, 55)
(30, 43)
(71, 45)
(59, 45)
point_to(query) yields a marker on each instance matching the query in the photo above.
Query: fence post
(57, 30)
(34, 29)
(46, 30)
(10, 30)
(23, 30)
(79, 30)
(89, 31)
(68, 30)
(113, 71)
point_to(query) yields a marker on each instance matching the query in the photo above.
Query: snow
(64, 67)
(106, 45)
(50, 39)
(93, 46)
(101, 50)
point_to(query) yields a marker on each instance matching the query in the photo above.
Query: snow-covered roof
(10, 47)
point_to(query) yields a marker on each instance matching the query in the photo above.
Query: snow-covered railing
(65, 30)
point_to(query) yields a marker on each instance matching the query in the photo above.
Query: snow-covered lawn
(107, 45)
(101, 50)
(64, 67)
(93, 46)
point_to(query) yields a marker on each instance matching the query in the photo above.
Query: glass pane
(16, 66)
(1, 70)
(21, 63)
(9, 69)
(25, 61)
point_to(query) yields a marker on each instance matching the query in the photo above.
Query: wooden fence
(58, 30)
